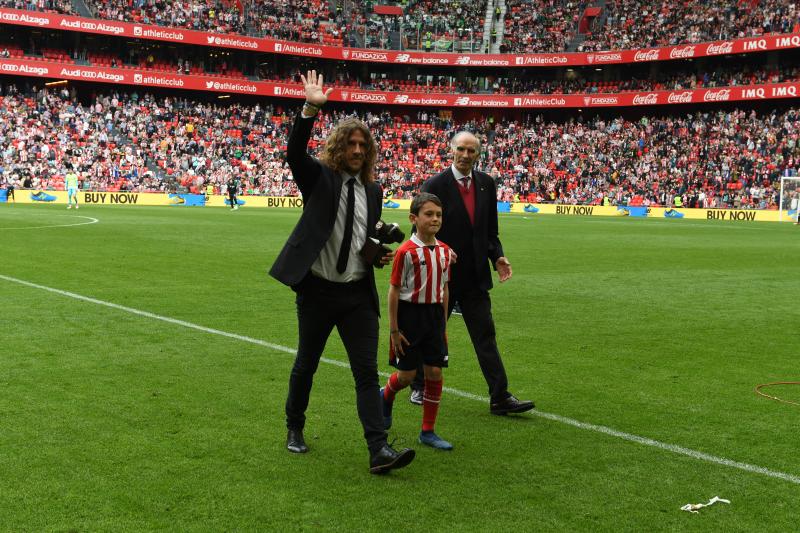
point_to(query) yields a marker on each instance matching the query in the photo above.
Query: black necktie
(344, 251)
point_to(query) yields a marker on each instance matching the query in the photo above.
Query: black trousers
(232, 199)
(476, 309)
(321, 306)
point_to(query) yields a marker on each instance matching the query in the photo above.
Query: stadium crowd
(52, 6)
(309, 21)
(139, 143)
(540, 26)
(216, 16)
(525, 84)
(532, 26)
(638, 24)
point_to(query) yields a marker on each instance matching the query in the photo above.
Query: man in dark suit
(469, 226)
(321, 262)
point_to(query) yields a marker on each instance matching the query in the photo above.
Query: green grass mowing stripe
(549, 416)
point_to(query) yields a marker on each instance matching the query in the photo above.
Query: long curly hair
(333, 155)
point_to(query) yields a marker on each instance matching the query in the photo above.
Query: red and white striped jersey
(421, 271)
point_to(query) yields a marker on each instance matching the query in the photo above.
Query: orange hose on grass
(765, 395)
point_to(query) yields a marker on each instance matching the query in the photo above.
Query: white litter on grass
(693, 507)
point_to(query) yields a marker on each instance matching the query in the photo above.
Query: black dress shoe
(510, 405)
(295, 442)
(387, 458)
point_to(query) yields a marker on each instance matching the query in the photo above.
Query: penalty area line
(680, 450)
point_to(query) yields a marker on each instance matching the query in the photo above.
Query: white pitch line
(92, 220)
(680, 450)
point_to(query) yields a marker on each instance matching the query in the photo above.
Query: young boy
(418, 315)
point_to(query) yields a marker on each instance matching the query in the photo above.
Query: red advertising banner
(135, 77)
(177, 35)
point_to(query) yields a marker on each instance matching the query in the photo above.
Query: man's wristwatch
(310, 109)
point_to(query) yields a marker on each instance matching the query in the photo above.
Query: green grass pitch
(661, 329)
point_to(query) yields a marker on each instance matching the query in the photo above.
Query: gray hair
(461, 133)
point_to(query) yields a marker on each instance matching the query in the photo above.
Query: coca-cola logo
(646, 55)
(722, 95)
(680, 98)
(645, 99)
(682, 53)
(721, 48)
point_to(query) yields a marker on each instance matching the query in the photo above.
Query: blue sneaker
(429, 438)
(387, 412)
(41, 196)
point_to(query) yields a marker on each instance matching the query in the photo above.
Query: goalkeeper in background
(71, 185)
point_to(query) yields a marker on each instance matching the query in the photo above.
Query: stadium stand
(218, 16)
(637, 24)
(531, 26)
(49, 6)
(731, 158)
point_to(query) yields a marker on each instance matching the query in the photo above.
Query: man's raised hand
(314, 92)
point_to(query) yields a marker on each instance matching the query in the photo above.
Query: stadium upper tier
(529, 26)
(165, 61)
(132, 142)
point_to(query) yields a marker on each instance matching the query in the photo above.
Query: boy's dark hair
(421, 199)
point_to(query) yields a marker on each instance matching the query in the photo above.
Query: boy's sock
(430, 403)
(392, 387)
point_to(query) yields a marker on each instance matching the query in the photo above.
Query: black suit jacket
(321, 188)
(476, 245)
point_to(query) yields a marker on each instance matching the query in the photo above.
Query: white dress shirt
(459, 176)
(325, 265)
